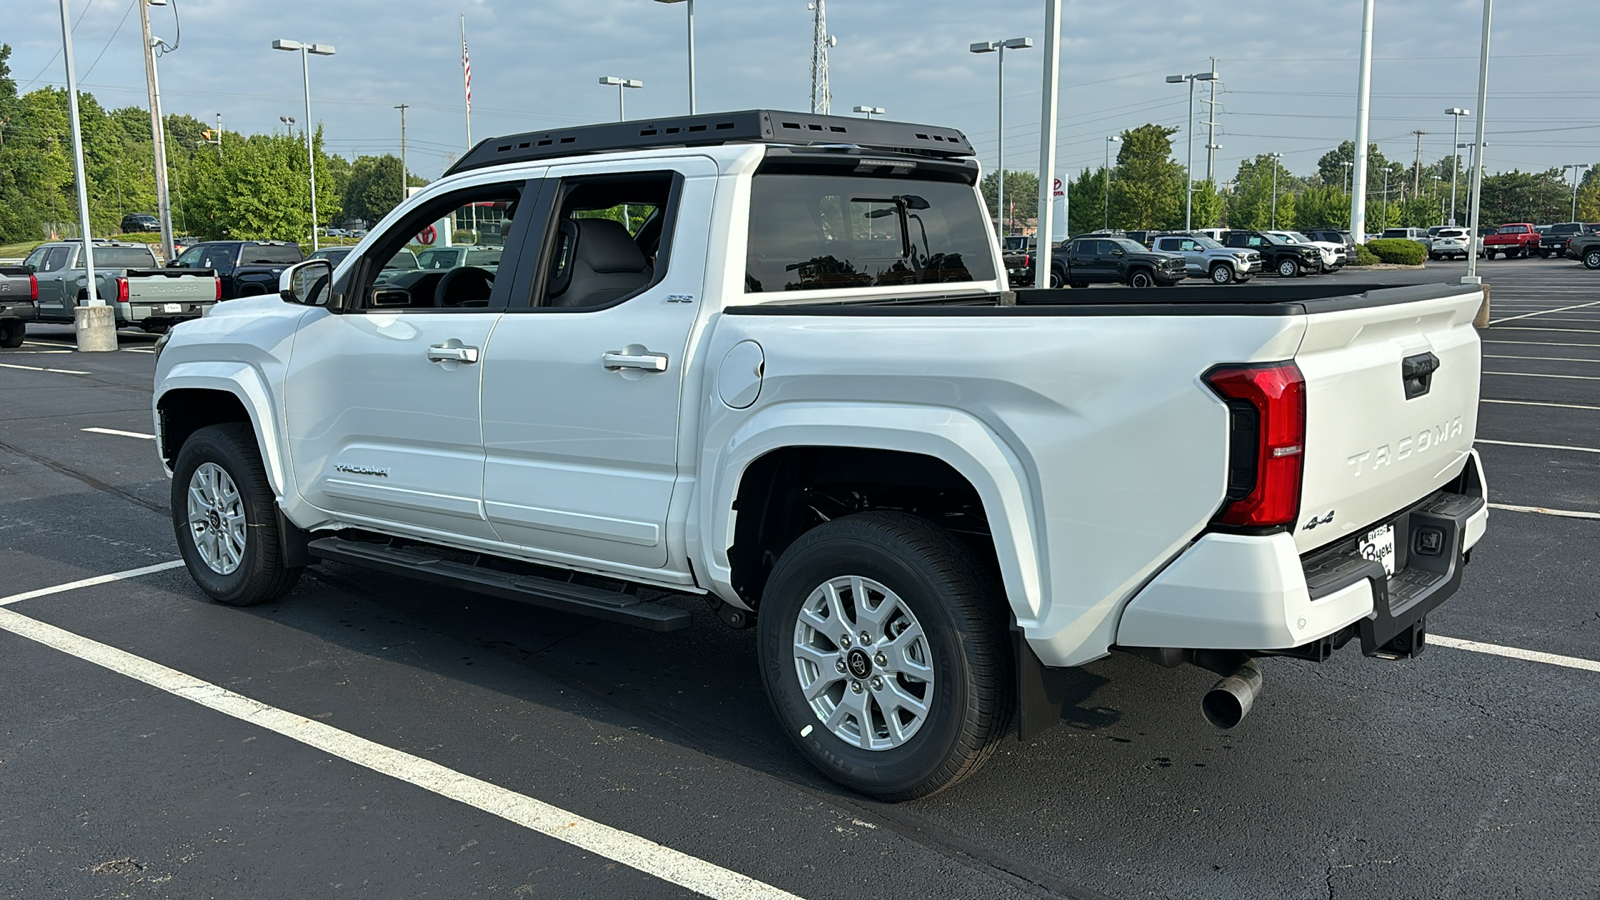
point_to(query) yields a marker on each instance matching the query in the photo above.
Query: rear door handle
(619, 359)
(442, 353)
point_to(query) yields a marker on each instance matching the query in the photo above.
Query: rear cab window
(840, 230)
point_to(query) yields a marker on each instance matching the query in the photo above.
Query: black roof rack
(764, 126)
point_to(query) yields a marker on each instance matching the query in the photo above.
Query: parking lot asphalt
(357, 701)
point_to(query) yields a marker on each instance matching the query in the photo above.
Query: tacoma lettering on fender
(772, 359)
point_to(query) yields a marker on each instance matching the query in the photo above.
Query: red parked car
(1519, 239)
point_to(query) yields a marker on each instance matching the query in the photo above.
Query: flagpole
(466, 86)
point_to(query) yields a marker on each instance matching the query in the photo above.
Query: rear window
(121, 258)
(816, 232)
(482, 258)
(269, 254)
(1396, 232)
(1513, 229)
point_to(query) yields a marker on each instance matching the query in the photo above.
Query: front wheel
(1289, 268)
(1056, 281)
(1222, 273)
(1139, 278)
(225, 520)
(883, 648)
(1591, 259)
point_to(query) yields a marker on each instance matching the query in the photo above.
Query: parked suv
(799, 389)
(1450, 242)
(1205, 258)
(1288, 260)
(1420, 235)
(1334, 236)
(135, 222)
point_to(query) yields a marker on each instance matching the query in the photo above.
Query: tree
(1147, 186)
(1022, 195)
(1086, 201)
(1207, 205)
(1518, 196)
(1251, 204)
(1322, 206)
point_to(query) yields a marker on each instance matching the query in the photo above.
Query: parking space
(379, 737)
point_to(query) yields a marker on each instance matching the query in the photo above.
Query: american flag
(466, 66)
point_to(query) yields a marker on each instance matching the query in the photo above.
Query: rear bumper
(1257, 594)
(18, 311)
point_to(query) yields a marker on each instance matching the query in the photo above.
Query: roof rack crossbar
(746, 126)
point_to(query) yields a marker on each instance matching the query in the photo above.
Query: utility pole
(1416, 179)
(1211, 124)
(1047, 141)
(821, 40)
(404, 178)
(1358, 193)
(157, 130)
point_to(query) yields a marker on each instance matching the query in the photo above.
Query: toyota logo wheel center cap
(859, 663)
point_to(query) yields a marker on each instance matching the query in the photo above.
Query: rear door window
(826, 231)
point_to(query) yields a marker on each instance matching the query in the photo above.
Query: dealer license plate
(172, 307)
(1378, 545)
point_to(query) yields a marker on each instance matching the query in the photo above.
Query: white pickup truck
(771, 358)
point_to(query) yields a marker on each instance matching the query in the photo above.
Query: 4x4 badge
(1314, 521)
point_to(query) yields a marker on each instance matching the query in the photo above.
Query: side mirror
(174, 264)
(300, 282)
(1119, 252)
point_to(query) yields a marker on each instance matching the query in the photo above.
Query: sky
(1288, 70)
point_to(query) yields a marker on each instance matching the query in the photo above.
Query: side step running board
(612, 606)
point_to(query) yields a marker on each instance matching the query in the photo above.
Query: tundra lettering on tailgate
(1406, 446)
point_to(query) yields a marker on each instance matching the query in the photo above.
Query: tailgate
(1391, 406)
(172, 285)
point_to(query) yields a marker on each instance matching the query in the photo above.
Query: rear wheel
(1488, 254)
(1289, 268)
(12, 333)
(884, 652)
(1222, 273)
(1055, 277)
(1140, 278)
(1591, 259)
(225, 520)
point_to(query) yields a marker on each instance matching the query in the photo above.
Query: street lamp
(288, 124)
(870, 111)
(691, 50)
(1110, 139)
(1455, 158)
(1021, 43)
(1275, 157)
(622, 84)
(1477, 162)
(1576, 168)
(1348, 165)
(305, 75)
(1188, 167)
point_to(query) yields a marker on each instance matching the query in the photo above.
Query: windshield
(1129, 246)
(1509, 229)
(1299, 238)
(1394, 232)
(121, 258)
(335, 255)
(815, 232)
(1205, 242)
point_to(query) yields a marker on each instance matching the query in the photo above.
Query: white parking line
(36, 352)
(38, 369)
(1547, 330)
(118, 433)
(1541, 358)
(615, 844)
(90, 582)
(1538, 446)
(1538, 403)
(1551, 659)
(1540, 375)
(1543, 344)
(1540, 510)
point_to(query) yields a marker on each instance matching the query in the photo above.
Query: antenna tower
(820, 42)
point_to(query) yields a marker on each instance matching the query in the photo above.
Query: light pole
(1110, 139)
(1348, 165)
(1455, 158)
(95, 323)
(158, 131)
(1020, 43)
(404, 178)
(1358, 187)
(288, 124)
(870, 111)
(1188, 166)
(1576, 168)
(1275, 157)
(1048, 93)
(691, 50)
(311, 154)
(1477, 158)
(622, 84)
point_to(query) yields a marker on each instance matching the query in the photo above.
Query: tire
(1591, 259)
(1080, 284)
(1289, 268)
(12, 334)
(1140, 278)
(245, 566)
(1056, 280)
(1222, 273)
(1433, 257)
(943, 590)
(1488, 254)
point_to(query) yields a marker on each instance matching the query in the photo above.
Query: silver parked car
(1205, 258)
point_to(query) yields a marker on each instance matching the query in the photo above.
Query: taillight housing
(1266, 442)
(33, 288)
(219, 288)
(122, 290)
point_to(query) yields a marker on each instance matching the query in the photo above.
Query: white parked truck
(772, 359)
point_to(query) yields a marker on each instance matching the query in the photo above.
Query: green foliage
(1251, 204)
(1147, 186)
(1022, 196)
(1207, 204)
(1364, 257)
(1518, 196)
(1322, 206)
(1086, 202)
(1398, 251)
(372, 187)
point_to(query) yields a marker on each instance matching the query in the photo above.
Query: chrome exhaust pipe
(1229, 700)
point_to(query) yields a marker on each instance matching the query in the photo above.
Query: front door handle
(442, 353)
(627, 359)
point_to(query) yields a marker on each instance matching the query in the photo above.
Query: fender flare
(975, 451)
(250, 389)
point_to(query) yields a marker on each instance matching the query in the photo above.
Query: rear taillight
(1266, 442)
(122, 290)
(219, 288)
(33, 288)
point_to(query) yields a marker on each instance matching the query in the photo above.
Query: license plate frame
(172, 307)
(1378, 545)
